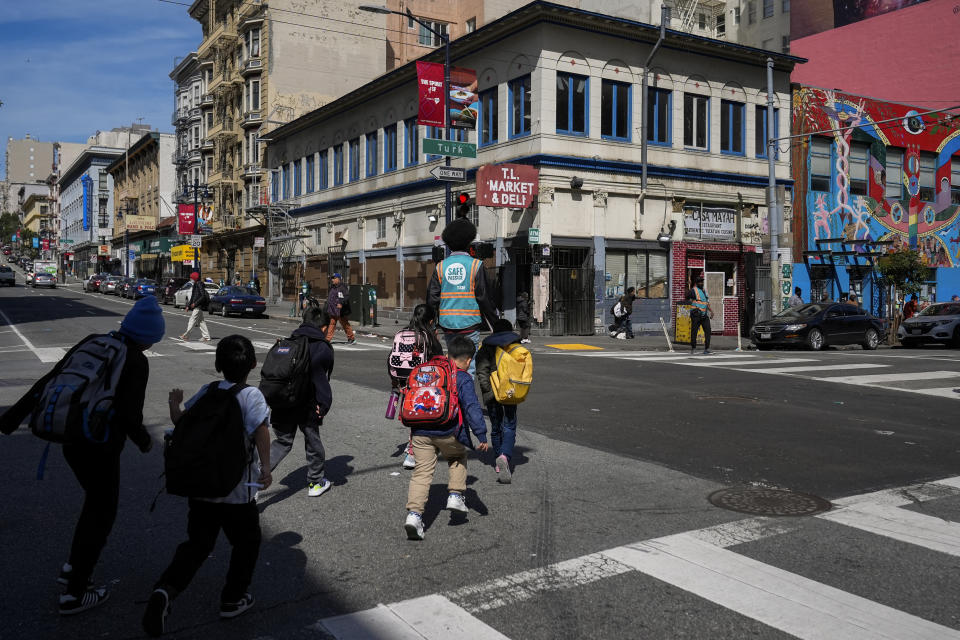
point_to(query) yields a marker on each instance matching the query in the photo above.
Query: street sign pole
(446, 118)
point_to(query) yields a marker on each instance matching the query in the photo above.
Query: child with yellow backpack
(505, 373)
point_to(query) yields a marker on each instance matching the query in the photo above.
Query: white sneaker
(525, 341)
(409, 462)
(414, 526)
(455, 502)
(315, 489)
(503, 469)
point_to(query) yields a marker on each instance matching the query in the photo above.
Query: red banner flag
(186, 219)
(430, 91)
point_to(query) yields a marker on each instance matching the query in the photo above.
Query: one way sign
(449, 174)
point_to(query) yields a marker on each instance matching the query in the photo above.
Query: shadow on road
(25, 309)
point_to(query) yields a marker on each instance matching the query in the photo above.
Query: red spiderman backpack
(430, 401)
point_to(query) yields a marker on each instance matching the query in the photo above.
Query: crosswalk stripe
(709, 362)
(259, 344)
(153, 354)
(940, 392)
(897, 523)
(780, 599)
(824, 367)
(892, 377)
(199, 346)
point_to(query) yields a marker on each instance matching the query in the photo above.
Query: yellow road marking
(574, 347)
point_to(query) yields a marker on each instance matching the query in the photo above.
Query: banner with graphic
(430, 93)
(464, 102)
(186, 220)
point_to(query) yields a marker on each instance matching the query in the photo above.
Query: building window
(354, 159)
(196, 138)
(721, 26)
(390, 148)
(338, 165)
(928, 170)
(893, 180)
(696, 119)
(489, 117)
(381, 227)
(572, 100)
(324, 170)
(471, 25)
(615, 110)
(785, 6)
(286, 181)
(297, 178)
(658, 115)
(954, 179)
(253, 150)
(411, 142)
(459, 135)
(820, 152)
(428, 38)
(437, 134)
(761, 131)
(785, 44)
(274, 185)
(736, 15)
(701, 21)
(751, 12)
(731, 127)
(102, 181)
(253, 42)
(519, 106)
(858, 170)
(646, 271)
(253, 95)
(767, 8)
(311, 173)
(371, 153)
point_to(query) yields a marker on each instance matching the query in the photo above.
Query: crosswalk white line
(153, 354)
(260, 344)
(824, 367)
(892, 377)
(897, 523)
(199, 346)
(709, 362)
(786, 601)
(428, 618)
(940, 392)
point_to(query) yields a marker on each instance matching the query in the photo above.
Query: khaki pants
(425, 449)
(332, 327)
(196, 318)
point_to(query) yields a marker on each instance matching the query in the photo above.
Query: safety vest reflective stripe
(460, 312)
(701, 301)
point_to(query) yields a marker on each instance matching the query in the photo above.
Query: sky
(72, 67)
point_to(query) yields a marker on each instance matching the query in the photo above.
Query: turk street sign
(449, 174)
(445, 148)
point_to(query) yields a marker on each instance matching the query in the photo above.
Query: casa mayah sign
(710, 223)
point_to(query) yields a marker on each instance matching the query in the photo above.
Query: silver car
(938, 323)
(44, 279)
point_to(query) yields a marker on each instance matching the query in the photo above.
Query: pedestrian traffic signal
(482, 250)
(463, 204)
(438, 253)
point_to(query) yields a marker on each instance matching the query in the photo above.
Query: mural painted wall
(889, 175)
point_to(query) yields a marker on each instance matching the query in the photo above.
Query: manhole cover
(768, 502)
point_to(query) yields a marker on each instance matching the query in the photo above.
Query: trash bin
(558, 323)
(681, 328)
(356, 304)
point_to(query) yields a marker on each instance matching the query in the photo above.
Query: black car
(93, 282)
(817, 325)
(123, 286)
(165, 293)
(239, 300)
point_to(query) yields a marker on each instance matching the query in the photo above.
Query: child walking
(503, 417)
(236, 513)
(450, 440)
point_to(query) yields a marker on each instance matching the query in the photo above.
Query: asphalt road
(605, 533)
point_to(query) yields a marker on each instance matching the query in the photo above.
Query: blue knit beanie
(144, 322)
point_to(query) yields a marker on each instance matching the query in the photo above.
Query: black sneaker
(90, 598)
(233, 609)
(158, 606)
(352, 341)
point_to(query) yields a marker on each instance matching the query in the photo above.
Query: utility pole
(773, 211)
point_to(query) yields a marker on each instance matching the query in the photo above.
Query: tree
(904, 270)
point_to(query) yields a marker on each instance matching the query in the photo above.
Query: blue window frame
(286, 181)
(732, 129)
(324, 169)
(458, 135)
(311, 177)
(274, 186)
(390, 148)
(338, 165)
(437, 134)
(372, 154)
(297, 178)
(489, 129)
(615, 110)
(354, 159)
(760, 127)
(411, 142)
(659, 116)
(573, 98)
(520, 111)
(696, 121)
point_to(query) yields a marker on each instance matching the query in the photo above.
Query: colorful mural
(918, 216)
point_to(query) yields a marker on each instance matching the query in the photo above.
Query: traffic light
(481, 250)
(437, 253)
(463, 204)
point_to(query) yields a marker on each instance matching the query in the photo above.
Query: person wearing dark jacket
(451, 440)
(458, 288)
(309, 417)
(626, 323)
(523, 316)
(199, 300)
(97, 465)
(503, 417)
(337, 298)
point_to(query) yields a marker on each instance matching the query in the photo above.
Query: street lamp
(446, 83)
(196, 187)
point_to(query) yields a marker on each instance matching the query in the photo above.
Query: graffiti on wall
(904, 194)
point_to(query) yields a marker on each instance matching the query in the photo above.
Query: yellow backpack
(513, 376)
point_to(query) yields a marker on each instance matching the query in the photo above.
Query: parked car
(938, 323)
(241, 300)
(44, 279)
(109, 284)
(92, 283)
(142, 287)
(8, 277)
(182, 297)
(123, 285)
(817, 325)
(170, 289)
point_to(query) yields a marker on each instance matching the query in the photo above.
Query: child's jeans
(503, 427)
(425, 449)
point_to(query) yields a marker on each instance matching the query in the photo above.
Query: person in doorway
(458, 288)
(700, 315)
(523, 316)
(911, 308)
(338, 302)
(796, 300)
(199, 302)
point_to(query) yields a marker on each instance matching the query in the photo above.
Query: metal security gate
(571, 301)
(763, 309)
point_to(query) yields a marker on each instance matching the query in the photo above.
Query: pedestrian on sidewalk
(796, 299)
(236, 514)
(308, 413)
(503, 417)
(523, 316)
(626, 322)
(458, 288)
(96, 465)
(451, 440)
(700, 315)
(338, 308)
(199, 302)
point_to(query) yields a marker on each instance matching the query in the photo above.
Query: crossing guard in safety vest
(700, 314)
(458, 287)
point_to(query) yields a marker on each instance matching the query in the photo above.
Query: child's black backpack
(285, 375)
(209, 450)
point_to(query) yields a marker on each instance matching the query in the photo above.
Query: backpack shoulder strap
(237, 388)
